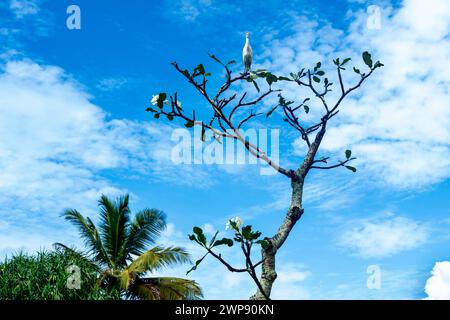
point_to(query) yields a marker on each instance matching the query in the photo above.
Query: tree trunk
(294, 213)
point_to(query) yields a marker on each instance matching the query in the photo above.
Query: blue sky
(73, 126)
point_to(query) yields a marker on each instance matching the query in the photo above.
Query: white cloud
(29, 19)
(434, 25)
(29, 242)
(398, 124)
(383, 237)
(23, 8)
(320, 193)
(194, 10)
(56, 147)
(406, 164)
(53, 138)
(289, 285)
(209, 229)
(110, 84)
(190, 10)
(327, 195)
(437, 286)
(289, 273)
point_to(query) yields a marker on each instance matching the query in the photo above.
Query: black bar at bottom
(222, 309)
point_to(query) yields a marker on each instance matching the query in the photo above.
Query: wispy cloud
(319, 193)
(193, 10)
(290, 282)
(22, 8)
(327, 194)
(27, 19)
(395, 283)
(190, 10)
(380, 123)
(110, 84)
(56, 148)
(384, 236)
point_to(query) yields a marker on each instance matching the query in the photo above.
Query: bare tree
(224, 122)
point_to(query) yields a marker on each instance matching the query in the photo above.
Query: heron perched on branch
(247, 53)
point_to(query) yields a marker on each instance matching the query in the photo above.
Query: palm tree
(119, 246)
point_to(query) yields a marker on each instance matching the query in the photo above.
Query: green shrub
(44, 276)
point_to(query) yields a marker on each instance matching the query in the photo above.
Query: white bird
(247, 53)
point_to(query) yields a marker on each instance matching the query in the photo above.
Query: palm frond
(167, 288)
(114, 220)
(146, 227)
(125, 279)
(119, 240)
(157, 258)
(144, 292)
(89, 234)
(72, 251)
(76, 254)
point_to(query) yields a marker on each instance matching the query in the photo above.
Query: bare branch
(225, 124)
(250, 116)
(250, 103)
(340, 164)
(226, 264)
(363, 77)
(341, 83)
(294, 122)
(324, 160)
(246, 248)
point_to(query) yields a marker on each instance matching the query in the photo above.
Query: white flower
(179, 103)
(237, 221)
(155, 99)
